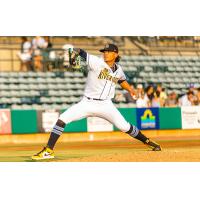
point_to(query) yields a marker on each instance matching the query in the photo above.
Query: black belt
(94, 99)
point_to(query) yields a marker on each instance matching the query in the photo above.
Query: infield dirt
(174, 149)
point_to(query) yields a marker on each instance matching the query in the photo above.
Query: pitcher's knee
(63, 118)
(124, 127)
(133, 131)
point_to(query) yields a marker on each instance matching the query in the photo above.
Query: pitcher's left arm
(126, 86)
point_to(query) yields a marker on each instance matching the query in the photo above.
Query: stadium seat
(53, 93)
(4, 80)
(5, 100)
(33, 87)
(45, 100)
(15, 100)
(4, 74)
(12, 87)
(42, 86)
(23, 87)
(4, 93)
(15, 93)
(16, 107)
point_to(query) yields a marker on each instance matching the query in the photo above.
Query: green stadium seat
(4, 80)
(5, 100)
(41, 80)
(64, 99)
(179, 68)
(42, 86)
(23, 87)
(148, 69)
(53, 93)
(24, 93)
(23, 74)
(14, 74)
(56, 106)
(33, 87)
(22, 80)
(58, 80)
(15, 93)
(64, 106)
(4, 86)
(4, 74)
(34, 93)
(186, 80)
(55, 100)
(45, 106)
(12, 87)
(5, 93)
(50, 74)
(36, 107)
(32, 80)
(50, 80)
(194, 80)
(197, 74)
(171, 69)
(177, 80)
(16, 107)
(32, 74)
(41, 74)
(45, 100)
(15, 100)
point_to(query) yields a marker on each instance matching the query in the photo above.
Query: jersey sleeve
(122, 77)
(93, 62)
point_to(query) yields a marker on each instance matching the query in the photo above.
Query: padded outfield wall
(34, 121)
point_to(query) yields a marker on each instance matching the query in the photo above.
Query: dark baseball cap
(110, 47)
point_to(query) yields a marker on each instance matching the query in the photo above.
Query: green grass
(63, 151)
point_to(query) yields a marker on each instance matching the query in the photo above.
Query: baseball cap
(110, 47)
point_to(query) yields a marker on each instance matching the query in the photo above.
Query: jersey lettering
(104, 74)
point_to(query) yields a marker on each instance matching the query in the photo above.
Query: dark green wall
(24, 121)
(170, 118)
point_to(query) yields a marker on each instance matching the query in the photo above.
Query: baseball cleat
(153, 145)
(46, 153)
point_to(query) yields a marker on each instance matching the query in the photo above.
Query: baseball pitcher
(103, 75)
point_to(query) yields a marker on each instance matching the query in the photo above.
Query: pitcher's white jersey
(101, 80)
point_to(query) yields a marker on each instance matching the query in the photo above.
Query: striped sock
(55, 134)
(136, 133)
(133, 131)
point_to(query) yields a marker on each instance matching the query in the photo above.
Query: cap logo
(107, 46)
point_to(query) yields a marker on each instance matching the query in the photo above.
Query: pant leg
(76, 112)
(112, 114)
(109, 112)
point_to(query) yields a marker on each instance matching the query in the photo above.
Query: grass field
(116, 149)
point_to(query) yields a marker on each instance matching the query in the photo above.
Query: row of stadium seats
(35, 93)
(42, 80)
(161, 58)
(28, 100)
(40, 74)
(66, 88)
(62, 106)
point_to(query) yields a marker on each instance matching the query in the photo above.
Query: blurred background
(34, 70)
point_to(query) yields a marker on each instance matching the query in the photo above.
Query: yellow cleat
(46, 153)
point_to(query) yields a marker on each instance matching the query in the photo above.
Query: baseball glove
(74, 59)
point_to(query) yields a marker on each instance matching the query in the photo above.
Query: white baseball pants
(94, 108)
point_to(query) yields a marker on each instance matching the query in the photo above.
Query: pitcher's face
(109, 56)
